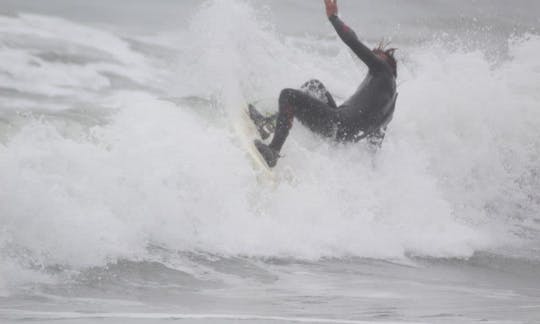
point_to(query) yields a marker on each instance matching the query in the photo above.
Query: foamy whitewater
(127, 197)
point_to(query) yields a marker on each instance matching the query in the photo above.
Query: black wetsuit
(364, 115)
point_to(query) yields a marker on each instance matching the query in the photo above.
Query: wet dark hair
(389, 53)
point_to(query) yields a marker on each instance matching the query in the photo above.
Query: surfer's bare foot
(264, 125)
(270, 156)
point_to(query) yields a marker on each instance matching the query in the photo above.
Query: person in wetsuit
(364, 115)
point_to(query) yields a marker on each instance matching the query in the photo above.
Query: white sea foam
(85, 56)
(456, 173)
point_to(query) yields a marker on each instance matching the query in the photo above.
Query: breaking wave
(109, 151)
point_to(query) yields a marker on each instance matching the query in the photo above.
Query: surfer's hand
(331, 7)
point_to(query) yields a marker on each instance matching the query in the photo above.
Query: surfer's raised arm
(349, 37)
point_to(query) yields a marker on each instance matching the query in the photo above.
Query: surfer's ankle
(274, 148)
(269, 154)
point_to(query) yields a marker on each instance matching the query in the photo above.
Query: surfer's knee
(286, 104)
(286, 97)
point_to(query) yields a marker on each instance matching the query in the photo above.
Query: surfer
(364, 115)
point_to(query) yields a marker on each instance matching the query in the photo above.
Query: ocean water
(126, 196)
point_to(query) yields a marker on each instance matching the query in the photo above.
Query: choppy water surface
(126, 196)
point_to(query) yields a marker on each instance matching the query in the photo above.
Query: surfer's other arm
(349, 37)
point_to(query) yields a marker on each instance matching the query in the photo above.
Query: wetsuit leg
(313, 87)
(315, 114)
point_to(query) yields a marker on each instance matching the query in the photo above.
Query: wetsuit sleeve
(349, 37)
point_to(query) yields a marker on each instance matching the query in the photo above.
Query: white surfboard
(247, 133)
(235, 104)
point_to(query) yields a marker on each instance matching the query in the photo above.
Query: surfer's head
(387, 54)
